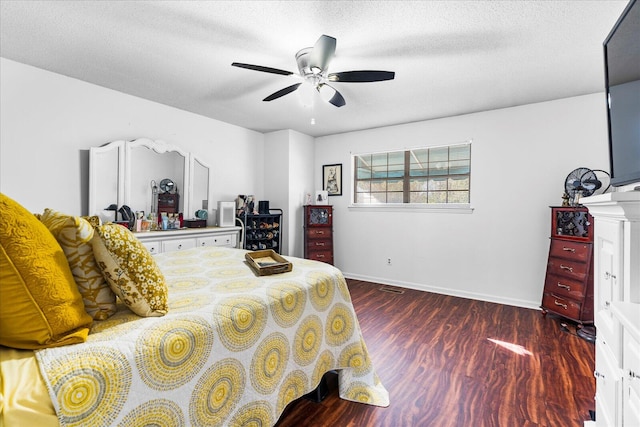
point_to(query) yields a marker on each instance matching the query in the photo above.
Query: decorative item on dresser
(617, 307)
(318, 233)
(568, 287)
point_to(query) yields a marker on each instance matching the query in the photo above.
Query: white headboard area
(122, 173)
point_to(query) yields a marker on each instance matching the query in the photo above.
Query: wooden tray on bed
(267, 262)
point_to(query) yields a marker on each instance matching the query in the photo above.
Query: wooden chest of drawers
(318, 233)
(568, 287)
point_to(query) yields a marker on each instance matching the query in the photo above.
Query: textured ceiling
(450, 57)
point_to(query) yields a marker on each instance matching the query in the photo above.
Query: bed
(233, 348)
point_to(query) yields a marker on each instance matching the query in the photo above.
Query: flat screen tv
(622, 83)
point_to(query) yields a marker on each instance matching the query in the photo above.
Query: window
(434, 175)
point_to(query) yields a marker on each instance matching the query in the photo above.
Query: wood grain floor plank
(450, 361)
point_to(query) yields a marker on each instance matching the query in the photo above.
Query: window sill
(402, 207)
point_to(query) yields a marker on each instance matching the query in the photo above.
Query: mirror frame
(125, 167)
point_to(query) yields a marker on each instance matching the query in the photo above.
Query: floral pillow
(130, 270)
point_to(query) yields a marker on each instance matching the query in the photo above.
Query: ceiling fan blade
(336, 99)
(282, 92)
(364, 76)
(323, 51)
(261, 68)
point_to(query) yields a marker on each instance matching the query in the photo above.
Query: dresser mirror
(123, 173)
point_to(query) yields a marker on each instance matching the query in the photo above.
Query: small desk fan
(583, 181)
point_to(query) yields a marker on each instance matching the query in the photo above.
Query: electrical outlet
(388, 261)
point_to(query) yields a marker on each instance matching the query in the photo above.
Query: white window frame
(458, 208)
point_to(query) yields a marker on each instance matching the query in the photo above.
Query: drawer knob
(203, 244)
(567, 287)
(180, 246)
(320, 244)
(320, 255)
(564, 248)
(556, 302)
(564, 267)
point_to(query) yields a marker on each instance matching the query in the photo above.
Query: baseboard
(534, 305)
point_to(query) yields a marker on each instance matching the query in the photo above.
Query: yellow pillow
(74, 235)
(40, 305)
(130, 270)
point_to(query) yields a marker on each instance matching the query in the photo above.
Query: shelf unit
(262, 231)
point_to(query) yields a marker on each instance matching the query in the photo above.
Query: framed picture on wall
(332, 179)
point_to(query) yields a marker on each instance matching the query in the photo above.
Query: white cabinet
(176, 240)
(617, 307)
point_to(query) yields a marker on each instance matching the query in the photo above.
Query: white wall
(288, 164)
(49, 120)
(520, 159)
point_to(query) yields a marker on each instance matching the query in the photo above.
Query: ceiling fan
(313, 63)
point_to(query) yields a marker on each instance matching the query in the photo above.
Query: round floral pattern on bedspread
(182, 283)
(322, 289)
(326, 361)
(157, 412)
(240, 321)
(102, 379)
(355, 356)
(169, 354)
(339, 326)
(294, 385)
(288, 302)
(254, 414)
(242, 285)
(269, 362)
(216, 393)
(308, 340)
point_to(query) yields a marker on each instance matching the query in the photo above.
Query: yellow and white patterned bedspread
(233, 350)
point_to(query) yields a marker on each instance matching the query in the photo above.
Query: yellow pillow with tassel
(40, 305)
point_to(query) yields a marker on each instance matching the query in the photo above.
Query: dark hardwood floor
(450, 361)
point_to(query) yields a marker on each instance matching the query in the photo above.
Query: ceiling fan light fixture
(326, 92)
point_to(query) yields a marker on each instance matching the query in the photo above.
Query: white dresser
(617, 307)
(175, 240)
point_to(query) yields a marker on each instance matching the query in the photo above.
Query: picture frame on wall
(332, 179)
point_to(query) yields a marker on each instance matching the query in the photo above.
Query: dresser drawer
(319, 245)
(318, 233)
(153, 247)
(575, 251)
(178, 245)
(322, 255)
(567, 268)
(564, 306)
(565, 286)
